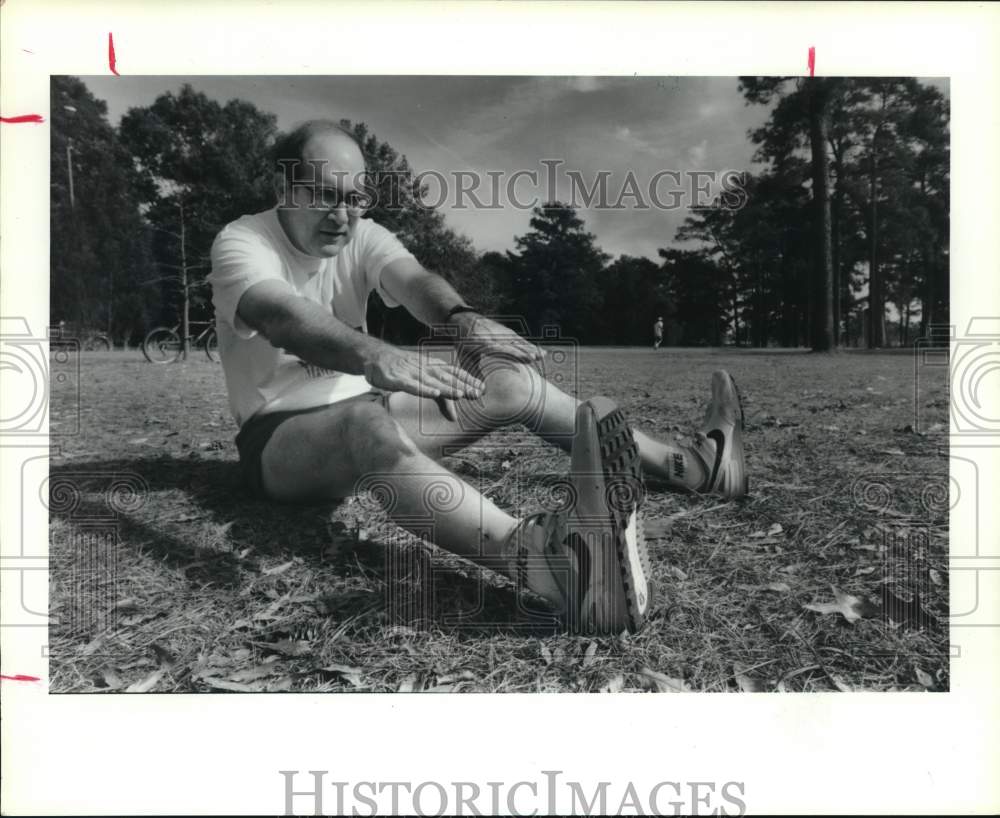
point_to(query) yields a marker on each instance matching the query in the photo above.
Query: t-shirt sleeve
(240, 259)
(380, 247)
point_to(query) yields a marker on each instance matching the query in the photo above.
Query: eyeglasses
(330, 198)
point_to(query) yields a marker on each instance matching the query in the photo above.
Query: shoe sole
(738, 434)
(606, 523)
(740, 430)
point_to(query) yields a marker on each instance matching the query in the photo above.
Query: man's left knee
(514, 391)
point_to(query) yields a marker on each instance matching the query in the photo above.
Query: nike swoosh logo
(720, 449)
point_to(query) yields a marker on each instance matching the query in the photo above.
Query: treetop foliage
(187, 164)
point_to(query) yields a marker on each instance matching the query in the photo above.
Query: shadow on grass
(415, 589)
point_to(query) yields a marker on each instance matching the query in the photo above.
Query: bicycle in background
(163, 344)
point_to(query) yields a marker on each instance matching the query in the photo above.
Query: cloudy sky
(504, 124)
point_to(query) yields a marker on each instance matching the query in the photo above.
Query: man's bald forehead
(318, 140)
(332, 145)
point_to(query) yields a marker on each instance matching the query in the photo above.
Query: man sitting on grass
(325, 410)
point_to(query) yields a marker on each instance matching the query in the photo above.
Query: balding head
(322, 144)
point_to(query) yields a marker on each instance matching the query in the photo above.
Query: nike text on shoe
(723, 425)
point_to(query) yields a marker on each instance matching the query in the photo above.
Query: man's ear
(282, 189)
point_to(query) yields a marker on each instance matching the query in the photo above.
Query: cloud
(616, 125)
(697, 153)
(638, 142)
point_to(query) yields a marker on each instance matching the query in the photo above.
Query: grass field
(202, 590)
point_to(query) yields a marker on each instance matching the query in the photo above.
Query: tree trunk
(835, 265)
(835, 218)
(930, 312)
(876, 299)
(822, 328)
(185, 323)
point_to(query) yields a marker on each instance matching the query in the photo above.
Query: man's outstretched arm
(309, 331)
(429, 298)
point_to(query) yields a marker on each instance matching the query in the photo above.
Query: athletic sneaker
(589, 560)
(724, 462)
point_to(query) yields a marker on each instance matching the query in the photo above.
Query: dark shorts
(255, 433)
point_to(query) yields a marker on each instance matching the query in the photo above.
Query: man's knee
(514, 391)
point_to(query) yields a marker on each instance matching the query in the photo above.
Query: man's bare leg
(357, 446)
(516, 392)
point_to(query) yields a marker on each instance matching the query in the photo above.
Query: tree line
(842, 240)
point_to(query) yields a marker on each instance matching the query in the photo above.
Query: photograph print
(493, 384)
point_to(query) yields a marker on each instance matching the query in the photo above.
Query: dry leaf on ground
(852, 608)
(840, 684)
(665, 684)
(255, 672)
(148, 683)
(464, 676)
(925, 678)
(232, 687)
(352, 675)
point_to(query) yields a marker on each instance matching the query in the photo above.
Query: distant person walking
(658, 333)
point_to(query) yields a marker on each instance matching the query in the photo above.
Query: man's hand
(480, 336)
(396, 369)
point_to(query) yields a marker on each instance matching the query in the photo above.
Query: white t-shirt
(259, 377)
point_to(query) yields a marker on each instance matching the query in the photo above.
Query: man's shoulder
(253, 233)
(253, 224)
(371, 238)
(258, 228)
(368, 227)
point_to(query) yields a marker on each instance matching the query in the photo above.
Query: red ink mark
(20, 678)
(812, 61)
(14, 120)
(111, 55)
